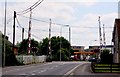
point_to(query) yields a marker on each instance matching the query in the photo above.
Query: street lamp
(61, 41)
(69, 38)
(91, 42)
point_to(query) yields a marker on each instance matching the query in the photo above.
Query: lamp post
(69, 38)
(5, 34)
(91, 42)
(61, 40)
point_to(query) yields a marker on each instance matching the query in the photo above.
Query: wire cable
(26, 30)
(61, 24)
(30, 8)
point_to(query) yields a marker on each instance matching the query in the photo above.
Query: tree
(106, 56)
(64, 55)
(10, 58)
(44, 46)
(55, 45)
(23, 46)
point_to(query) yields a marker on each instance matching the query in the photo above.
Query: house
(93, 47)
(78, 48)
(8, 43)
(116, 40)
(110, 47)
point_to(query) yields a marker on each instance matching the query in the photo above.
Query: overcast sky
(80, 15)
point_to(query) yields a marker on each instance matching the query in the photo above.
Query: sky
(80, 15)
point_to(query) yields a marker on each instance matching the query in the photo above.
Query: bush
(106, 57)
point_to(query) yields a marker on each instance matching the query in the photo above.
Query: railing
(105, 68)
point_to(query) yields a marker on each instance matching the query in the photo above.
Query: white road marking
(71, 71)
(43, 71)
(33, 74)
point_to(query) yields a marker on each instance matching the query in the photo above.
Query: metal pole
(5, 34)
(60, 41)
(69, 40)
(49, 46)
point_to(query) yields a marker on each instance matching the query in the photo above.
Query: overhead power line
(31, 8)
(26, 30)
(59, 23)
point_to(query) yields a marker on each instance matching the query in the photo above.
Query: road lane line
(71, 71)
(42, 71)
(33, 74)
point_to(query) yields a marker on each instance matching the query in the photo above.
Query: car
(92, 60)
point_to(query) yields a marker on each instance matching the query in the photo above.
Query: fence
(105, 68)
(29, 59)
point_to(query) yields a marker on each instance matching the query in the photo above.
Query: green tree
(44, 46)
(23, 46)
(55, 46)
(10, 58)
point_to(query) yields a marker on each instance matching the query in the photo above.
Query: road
(54, 69)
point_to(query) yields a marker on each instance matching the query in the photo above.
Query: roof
(6, 39)
(77, 46)
(116, 27)
(107, 46)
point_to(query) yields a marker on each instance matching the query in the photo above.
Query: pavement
(84, 70)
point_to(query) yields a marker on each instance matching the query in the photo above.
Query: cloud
(63, 13)
(91, 20)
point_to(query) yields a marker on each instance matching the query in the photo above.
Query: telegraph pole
(100, 34)
(22, 34)
(29, 32)
(4, 35)
(104, 36)
(14, 31)
(100, 37)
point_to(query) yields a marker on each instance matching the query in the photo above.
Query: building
(116, 41)
(97, 50)
(110, 47)
(93, 47)
(78, 48)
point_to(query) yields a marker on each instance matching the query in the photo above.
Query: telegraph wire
(43, 30)
(30, 8)
(60, 24)
(25, 29)
(18, 23)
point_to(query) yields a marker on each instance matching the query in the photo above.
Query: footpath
(85, 71)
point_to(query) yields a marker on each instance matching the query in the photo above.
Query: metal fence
(105, 68)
